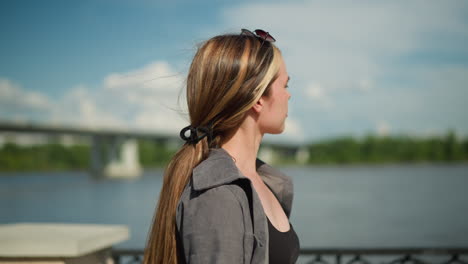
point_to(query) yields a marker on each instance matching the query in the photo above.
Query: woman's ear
(258, 106)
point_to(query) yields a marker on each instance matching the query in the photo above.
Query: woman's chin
(278, 130)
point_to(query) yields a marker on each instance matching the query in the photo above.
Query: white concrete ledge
(57, 239)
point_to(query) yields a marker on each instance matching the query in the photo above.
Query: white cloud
(383, 128)
(141, 99)
(83, 107)
(154, 86)
(315, 91)
(165, 121)
(293, 129)
(293, 132)
(13, 97)
(317, 94)
(358, 57)
(157, 76)
(365, 85)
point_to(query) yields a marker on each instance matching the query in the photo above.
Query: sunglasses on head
(258, 33)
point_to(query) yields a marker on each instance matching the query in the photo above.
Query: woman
(218, 203)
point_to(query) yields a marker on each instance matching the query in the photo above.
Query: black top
(283, 246)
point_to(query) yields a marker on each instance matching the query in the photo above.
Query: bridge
(114, 152)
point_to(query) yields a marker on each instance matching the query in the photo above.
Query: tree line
(341, 150)
(396, 149)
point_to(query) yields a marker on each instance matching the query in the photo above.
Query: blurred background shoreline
(52, 153)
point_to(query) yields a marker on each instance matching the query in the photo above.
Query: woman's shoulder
(216, 170)
(216, 188)
(266, 170)
(231, 194)
(212, 207)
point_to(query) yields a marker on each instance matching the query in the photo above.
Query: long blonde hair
(228, 75)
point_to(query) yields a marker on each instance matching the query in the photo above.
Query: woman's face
(275, 105)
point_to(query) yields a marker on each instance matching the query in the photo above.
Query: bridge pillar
(125, 165)
(266, 154)
(115, 157)
(97, 155)
(302, 155)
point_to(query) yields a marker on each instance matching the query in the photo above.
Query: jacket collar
(219, 169)
(216, 170)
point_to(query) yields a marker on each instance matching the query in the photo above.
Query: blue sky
(384, 67)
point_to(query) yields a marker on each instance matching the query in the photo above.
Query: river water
(353, 206)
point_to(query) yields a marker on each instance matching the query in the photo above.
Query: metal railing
(347, 256)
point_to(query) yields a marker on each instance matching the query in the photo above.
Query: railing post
(338, 259)
(116, 259)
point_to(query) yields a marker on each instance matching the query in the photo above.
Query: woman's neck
(243, 146)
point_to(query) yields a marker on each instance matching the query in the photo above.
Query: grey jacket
(219, 216)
